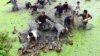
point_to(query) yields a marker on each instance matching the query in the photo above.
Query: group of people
(66, 28)
(42, 3)
(42, 18)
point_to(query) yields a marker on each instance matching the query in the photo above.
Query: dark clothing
(67, 20)
(42, 19)
(42, 2)
(59, 9)
(32, 39)
(67, 23)
(65, 6)
(28, 5)
(84, 25)
(85, 16)
(44, 25)
(34, 7)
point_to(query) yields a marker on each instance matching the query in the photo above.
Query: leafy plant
(5, 43)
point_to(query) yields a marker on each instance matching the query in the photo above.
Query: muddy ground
(86, 43)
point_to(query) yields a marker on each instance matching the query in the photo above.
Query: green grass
(86, 43)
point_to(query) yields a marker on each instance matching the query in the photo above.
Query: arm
(90, 16)
(37, 19)
(80, 15)
(7, 3)
(87, 17)
(55, 7)
(50, 19)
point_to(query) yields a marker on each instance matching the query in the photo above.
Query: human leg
(84, 25)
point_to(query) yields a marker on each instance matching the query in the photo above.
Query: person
(28, 5)
(59, 10)
(85, 18)
(15, 6)
(67, 24)
(14, 3)
(77, 8)
(32, 37)
(41, 20)
(58, 28)
(34, 8)
(41, 2)
(65, 6)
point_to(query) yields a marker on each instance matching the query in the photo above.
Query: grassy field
(86, 43)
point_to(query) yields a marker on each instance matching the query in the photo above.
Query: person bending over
(67, 23)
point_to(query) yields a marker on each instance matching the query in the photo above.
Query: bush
(5, 43)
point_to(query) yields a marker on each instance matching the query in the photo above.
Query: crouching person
(33, 38)
(67, 24)
(34, 8)
(41, 20)
(85, 18)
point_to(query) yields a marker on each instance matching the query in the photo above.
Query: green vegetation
(86, 43)
(5, 43)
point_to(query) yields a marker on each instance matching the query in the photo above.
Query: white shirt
(34, 32)
(59, 27)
